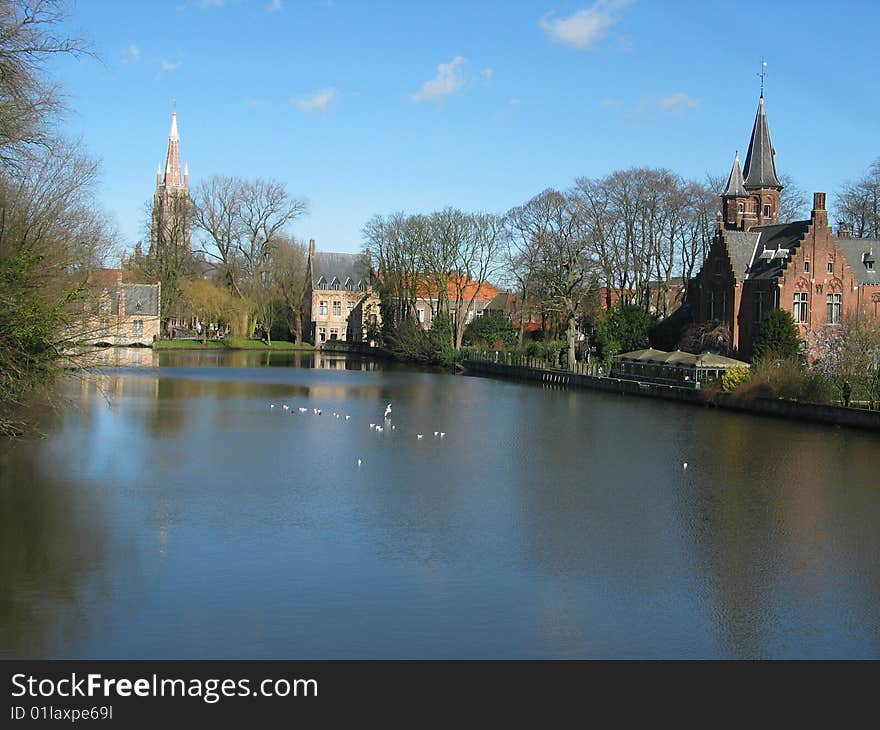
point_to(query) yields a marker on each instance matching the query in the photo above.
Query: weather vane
(762, 75)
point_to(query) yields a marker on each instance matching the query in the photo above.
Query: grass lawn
(235, 343)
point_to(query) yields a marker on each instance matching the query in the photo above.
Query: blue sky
(368, 107)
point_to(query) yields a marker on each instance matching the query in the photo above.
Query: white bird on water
(388, 411)
(419, 435)
(347, 417)
(271, 405)
(442, 434)
(685, 466)
(359, 462)
(372, 426)
(286, 408)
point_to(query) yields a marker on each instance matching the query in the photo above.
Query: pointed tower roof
(760, 170)
(735, 184)
(172, 177)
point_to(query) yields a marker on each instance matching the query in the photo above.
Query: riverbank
(777, 408)
(232, 344)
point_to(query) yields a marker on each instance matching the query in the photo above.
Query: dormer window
(348, 285)
(322, 283)
(869, 265)
(335, 283)
(868, 260)
(361, 286)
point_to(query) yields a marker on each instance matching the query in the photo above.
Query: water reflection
(179, 512)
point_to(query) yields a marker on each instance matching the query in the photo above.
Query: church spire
(172, 177)
(760, 170)
(735, 183)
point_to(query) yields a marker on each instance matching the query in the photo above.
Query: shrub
(535, 349)
(491, 330)
(735, 377)
(786, 378)
(777, 338)
(624, 328)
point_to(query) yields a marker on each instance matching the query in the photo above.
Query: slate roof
(858, 252)
(340, 266)
(775, 238)
(740, 247)
(735, 184)
(139, 299)
(760, 170)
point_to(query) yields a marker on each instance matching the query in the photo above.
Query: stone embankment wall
(836, 415)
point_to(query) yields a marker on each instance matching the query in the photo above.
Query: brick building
(756, 264)
(120, 313)
(340, 302)
(170, 223)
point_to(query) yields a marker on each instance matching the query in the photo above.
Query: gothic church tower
(171, 203)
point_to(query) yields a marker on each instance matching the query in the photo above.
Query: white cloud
(166, 66)
(316, 103)
(132, 55)
(449, 79)
(676, 103)
(275, 6)
(583, 28)
(673, 104)
(488, 73)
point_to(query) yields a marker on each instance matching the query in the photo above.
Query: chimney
(819, 214)
(842, 230)
(311, 248)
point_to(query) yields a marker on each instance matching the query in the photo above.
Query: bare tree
(170, 259)
(242, 221)
(28, 99)
(858, 204)
(216, 205)
(291, 277)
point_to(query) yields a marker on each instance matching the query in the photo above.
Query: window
(350, 308)
(105, 326)
(759, 306)
(322, 284)
(361, 286)
(806, 267)
(724, 305)
(322, 308)
(869, 265)
(711, 307)
(833, 304)
(334, 333)
(137, 327)
(337, 309)
(830, 267)
(800, 312)
(322, 334)
(421, 312)
(740, 208)
(766, 211)
(348, 285)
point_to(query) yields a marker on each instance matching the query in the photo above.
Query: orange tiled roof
(458, 287)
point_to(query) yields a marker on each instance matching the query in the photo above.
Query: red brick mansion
(756, 263)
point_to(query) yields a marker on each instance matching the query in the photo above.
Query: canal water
(170, 512)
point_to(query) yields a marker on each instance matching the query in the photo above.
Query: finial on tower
(762, 74)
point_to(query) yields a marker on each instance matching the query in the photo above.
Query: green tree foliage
(624, 328)
(778, 338)
(493, 330)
